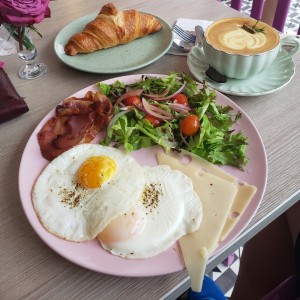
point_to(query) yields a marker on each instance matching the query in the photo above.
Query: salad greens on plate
(174, 111)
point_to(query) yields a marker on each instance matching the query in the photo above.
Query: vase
(28, 52)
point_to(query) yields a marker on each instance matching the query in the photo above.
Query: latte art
(242, 47)
(228, 35)
(240, 39)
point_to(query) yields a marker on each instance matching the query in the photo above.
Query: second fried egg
(167, 209)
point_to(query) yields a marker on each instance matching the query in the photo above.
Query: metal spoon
(199, 31)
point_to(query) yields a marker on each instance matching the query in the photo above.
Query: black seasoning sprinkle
(71, 198)
(151, 195)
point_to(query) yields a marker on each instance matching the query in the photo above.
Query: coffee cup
(242, 47)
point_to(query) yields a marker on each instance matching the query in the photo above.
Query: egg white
(176, 211)
(78, 214)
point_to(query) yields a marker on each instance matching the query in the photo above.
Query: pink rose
(23, 13)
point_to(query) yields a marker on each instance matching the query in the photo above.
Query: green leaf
(104, 88)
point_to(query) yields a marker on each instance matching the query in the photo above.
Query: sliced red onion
(161, 111)
(140, 107)
(115, 118)
(130, 108)
(153, 96)
(168, 97)
(183, 138)
(179, 108)
(156, 111)
(129, 94)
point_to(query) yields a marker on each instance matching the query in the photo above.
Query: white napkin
(189, 25)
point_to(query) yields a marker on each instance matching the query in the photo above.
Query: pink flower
(23, 12)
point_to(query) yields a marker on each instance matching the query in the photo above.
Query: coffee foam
(227, 35)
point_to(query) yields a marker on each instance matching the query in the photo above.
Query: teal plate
(272, 79)
(123, 58)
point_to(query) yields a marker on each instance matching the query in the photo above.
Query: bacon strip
(77, 121)
(74, 107)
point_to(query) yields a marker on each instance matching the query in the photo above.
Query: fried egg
(167, 209)
(82, 190)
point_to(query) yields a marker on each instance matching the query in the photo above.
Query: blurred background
(293, 19)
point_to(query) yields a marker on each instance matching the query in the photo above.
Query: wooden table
(29, 268)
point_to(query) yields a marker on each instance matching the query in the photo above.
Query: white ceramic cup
(241, 66)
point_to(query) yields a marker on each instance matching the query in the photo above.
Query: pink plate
(89, 254)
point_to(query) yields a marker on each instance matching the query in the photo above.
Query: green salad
(173, 112)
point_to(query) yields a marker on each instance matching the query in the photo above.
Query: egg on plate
(82, 190)
(167, 209)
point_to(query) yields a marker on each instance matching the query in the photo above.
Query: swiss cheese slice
(244, 194)
(220, 193)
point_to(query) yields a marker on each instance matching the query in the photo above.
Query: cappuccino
(236, 36)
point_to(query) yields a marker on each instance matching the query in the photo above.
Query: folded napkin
(11, 104)
(189, 25)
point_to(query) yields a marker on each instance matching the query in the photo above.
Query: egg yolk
(95, 171)
(124, 227)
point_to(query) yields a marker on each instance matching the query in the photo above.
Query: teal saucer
(272, 79)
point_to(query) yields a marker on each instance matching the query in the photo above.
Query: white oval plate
(273, 78)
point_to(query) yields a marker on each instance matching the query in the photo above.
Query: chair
(275, 12)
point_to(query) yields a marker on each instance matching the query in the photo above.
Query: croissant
(110, 28)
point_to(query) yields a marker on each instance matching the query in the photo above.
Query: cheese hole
(186, 159)
(234, 214)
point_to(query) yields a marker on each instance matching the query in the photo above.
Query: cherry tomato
(132, 100)
(190, 125)
(181, 99)
(154, 121)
